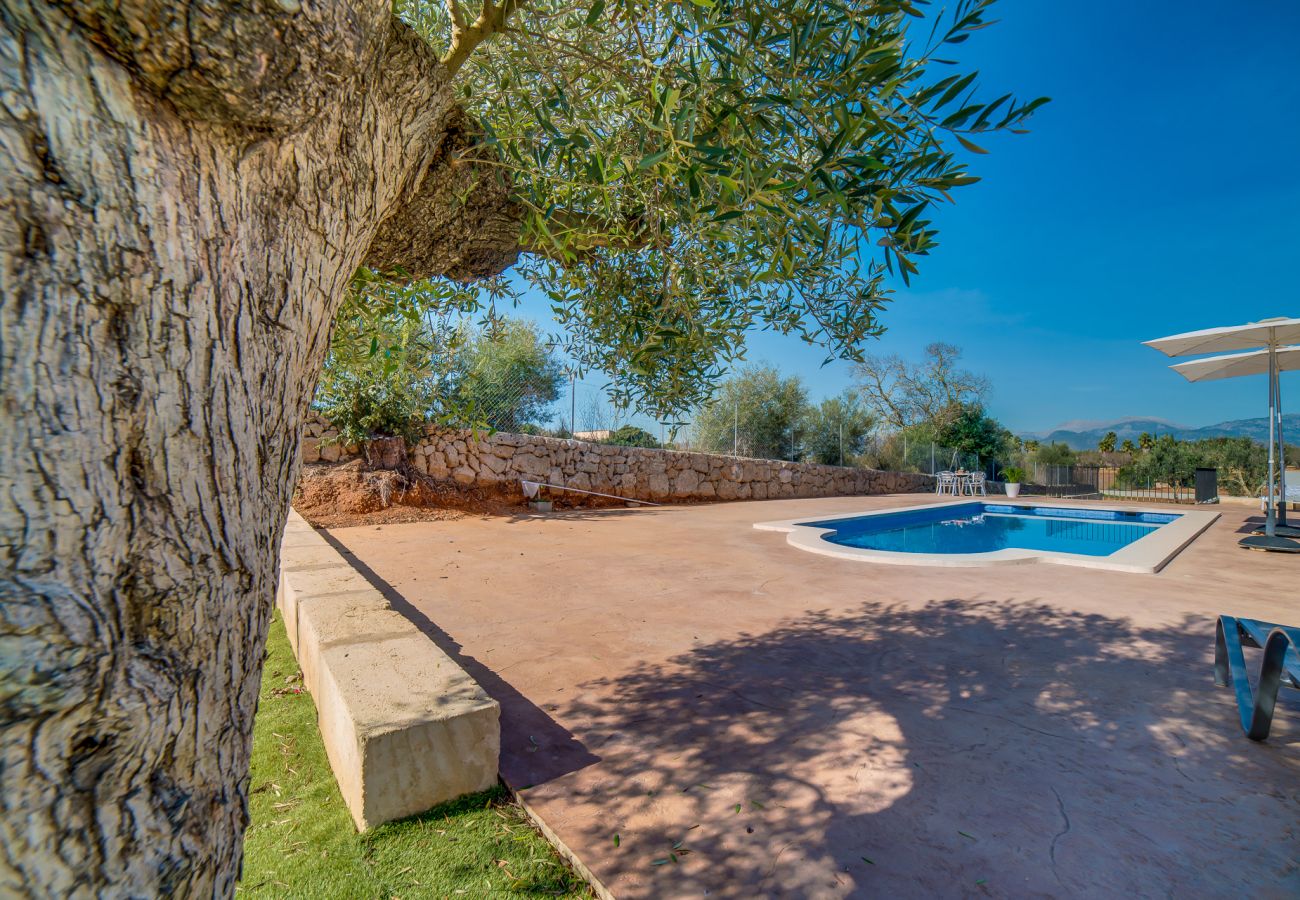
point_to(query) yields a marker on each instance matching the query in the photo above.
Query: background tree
(1055, 454)
(757, 412)
(903, 394)
(1166, 461)
(911, 449)
(1107, 443)
(594, 413)
(188, 190)
(836, 431)
(971, 430)
(1242, 464)
(505, 376)
(1146, 441)
(389, 372)
(1128, 446)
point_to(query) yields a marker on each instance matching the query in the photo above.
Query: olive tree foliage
(906, 394)
(688, 171)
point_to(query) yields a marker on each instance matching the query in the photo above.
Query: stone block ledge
(405, 727)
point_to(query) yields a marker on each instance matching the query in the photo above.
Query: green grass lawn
(301, 841)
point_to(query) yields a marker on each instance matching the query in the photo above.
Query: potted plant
(1012, 476)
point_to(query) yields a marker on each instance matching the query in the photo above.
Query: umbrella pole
(1270, 522)
(1281, 450)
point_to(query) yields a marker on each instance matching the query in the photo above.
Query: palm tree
(1146, 441)
(1107, 444)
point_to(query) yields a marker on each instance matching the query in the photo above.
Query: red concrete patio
(697, 709)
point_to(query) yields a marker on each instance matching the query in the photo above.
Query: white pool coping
(1147, 555)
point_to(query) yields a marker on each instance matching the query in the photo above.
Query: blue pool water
(985, 527)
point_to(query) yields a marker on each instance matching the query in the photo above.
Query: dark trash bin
(1207, 485)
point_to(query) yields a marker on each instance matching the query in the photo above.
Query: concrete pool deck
(673, 680)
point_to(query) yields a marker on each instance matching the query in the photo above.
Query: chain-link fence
(896, 451)
(559, 403)
(553, 401)
(567, 406)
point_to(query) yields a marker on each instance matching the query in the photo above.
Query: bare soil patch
(351, 493)
(340, 495)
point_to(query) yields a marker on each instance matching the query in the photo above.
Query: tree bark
(185, 190)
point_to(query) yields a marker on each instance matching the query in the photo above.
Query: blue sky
(1158, 192)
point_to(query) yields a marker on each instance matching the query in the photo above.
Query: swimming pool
(985, 527)
(978, 533)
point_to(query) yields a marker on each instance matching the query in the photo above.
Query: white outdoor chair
(946, 483)
(975, 482)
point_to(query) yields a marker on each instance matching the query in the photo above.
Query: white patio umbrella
(1214, 368)
(1268, 335)
(1251, 336)
(1256, 362)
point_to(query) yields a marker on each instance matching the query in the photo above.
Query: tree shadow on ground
(963, 748)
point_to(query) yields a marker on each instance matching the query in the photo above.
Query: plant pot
(540, 505)
(1013, 488)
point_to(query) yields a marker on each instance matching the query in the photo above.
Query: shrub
(1055, 455)
(631, 436)
(381, 393)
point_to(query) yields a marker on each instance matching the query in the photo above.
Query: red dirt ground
(352, 493)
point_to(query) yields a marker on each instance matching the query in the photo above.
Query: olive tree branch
(454, 13)
(465, 38)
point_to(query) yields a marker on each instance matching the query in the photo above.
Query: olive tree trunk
(185, 190)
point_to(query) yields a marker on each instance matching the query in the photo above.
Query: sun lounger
(1280, 667)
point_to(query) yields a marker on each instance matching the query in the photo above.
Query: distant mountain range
(1085, 435)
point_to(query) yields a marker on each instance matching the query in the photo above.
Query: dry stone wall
(497, 463)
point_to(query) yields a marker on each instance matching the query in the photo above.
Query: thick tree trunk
(185, 191)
